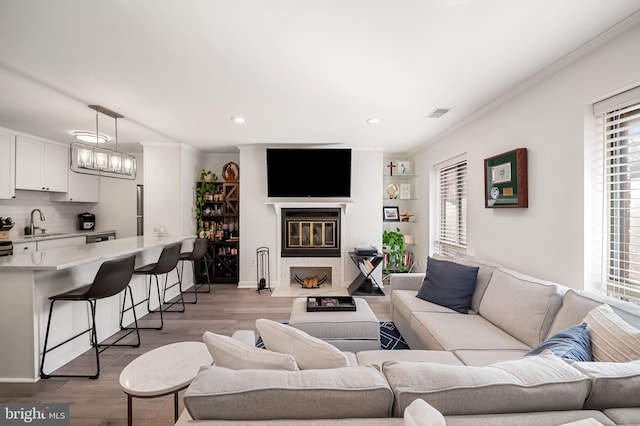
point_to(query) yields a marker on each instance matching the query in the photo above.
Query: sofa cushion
(485, 272)
(380, 356)
(572, 343)
(613, 384)
(546, 418)
(612, 339)
(309, 351)
(624, 416)
(450, 332)
(481, 357)
(449, 284)
(405, 303)
(231, 353)
(577, 304)
(520, 305)
(222, 393)
(538, 383)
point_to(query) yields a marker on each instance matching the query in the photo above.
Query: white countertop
(68, 257)
(57, 235)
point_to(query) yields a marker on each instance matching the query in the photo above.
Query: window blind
(619, 120)
(451, 205)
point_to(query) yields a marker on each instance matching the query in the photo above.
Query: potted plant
(205, 187)
(394, 249)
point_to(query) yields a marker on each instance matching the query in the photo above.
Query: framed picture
(404, 168)
(391, 214)
(405, 191)
(505, 180)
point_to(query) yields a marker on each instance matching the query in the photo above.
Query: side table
(163, 371)
(365, 279)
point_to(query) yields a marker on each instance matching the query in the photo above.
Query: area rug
(390, 337)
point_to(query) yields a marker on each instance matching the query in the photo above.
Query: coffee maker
(86, 221)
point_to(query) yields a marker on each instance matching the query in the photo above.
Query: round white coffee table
(163, 371)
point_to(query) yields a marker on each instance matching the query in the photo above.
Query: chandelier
(91, 159)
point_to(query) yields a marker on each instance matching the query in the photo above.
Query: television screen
(309, 172)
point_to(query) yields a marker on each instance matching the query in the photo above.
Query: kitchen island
(27, 280)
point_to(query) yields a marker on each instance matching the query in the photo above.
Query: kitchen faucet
(31, 224)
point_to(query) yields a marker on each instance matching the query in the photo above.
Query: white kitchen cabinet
(24, 247)
(82, 188)
(41, 165)
(7, 165)
(61, 242)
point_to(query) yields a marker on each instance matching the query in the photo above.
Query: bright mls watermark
(34, 414)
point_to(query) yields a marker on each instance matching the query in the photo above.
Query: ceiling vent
(439, 112)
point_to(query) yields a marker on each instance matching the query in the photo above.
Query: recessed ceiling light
(90, 137)
(238, 120)
(373, 120)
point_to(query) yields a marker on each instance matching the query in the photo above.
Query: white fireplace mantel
(309, 203)
(283, 264)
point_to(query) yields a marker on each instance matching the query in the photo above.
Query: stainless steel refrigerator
(140, 209)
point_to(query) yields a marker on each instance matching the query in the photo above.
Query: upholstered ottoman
(351, 331)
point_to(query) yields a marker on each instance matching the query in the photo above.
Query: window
(619, 122)
(451, 207)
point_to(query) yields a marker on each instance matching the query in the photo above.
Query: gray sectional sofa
(470, 367)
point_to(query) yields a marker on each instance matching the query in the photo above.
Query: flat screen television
(310, 172)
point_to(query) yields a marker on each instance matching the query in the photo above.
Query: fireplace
(310, 232)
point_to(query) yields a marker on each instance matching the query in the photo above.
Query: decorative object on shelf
(393, 191)
(505, 180)
(160, 230)
(208, 176)
(404, 168)
(231, 172)
(391, 166)
(394, 250)
(391, 214)
(204, 192)
(95, 160)
(405, 191)
(263, 275)
(404, 217)
(408, 240)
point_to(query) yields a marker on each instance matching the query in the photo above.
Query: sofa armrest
(408, 281)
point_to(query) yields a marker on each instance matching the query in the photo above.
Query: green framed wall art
(505, 180)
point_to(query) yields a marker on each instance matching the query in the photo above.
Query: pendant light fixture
(92, 159)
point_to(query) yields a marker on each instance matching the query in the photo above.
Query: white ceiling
(299, 71)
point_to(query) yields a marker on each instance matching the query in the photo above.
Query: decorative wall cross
(391, 166)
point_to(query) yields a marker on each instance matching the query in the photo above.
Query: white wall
(258, 220)
(547, 239)
(169, 174)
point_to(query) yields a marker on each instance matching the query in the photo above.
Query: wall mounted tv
(311, 172)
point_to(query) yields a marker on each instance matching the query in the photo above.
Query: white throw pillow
(231, 353)
(309, 352)
(612, 338)
(420, 413)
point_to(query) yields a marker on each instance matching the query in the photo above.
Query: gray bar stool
(167, 262)
(112, 278)
(199, 253)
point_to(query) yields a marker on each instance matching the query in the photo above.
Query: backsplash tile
(59, 217)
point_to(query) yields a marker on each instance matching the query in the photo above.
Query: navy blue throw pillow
(449, 284)
(571, 343)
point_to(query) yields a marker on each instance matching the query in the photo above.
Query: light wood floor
(101, 402)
